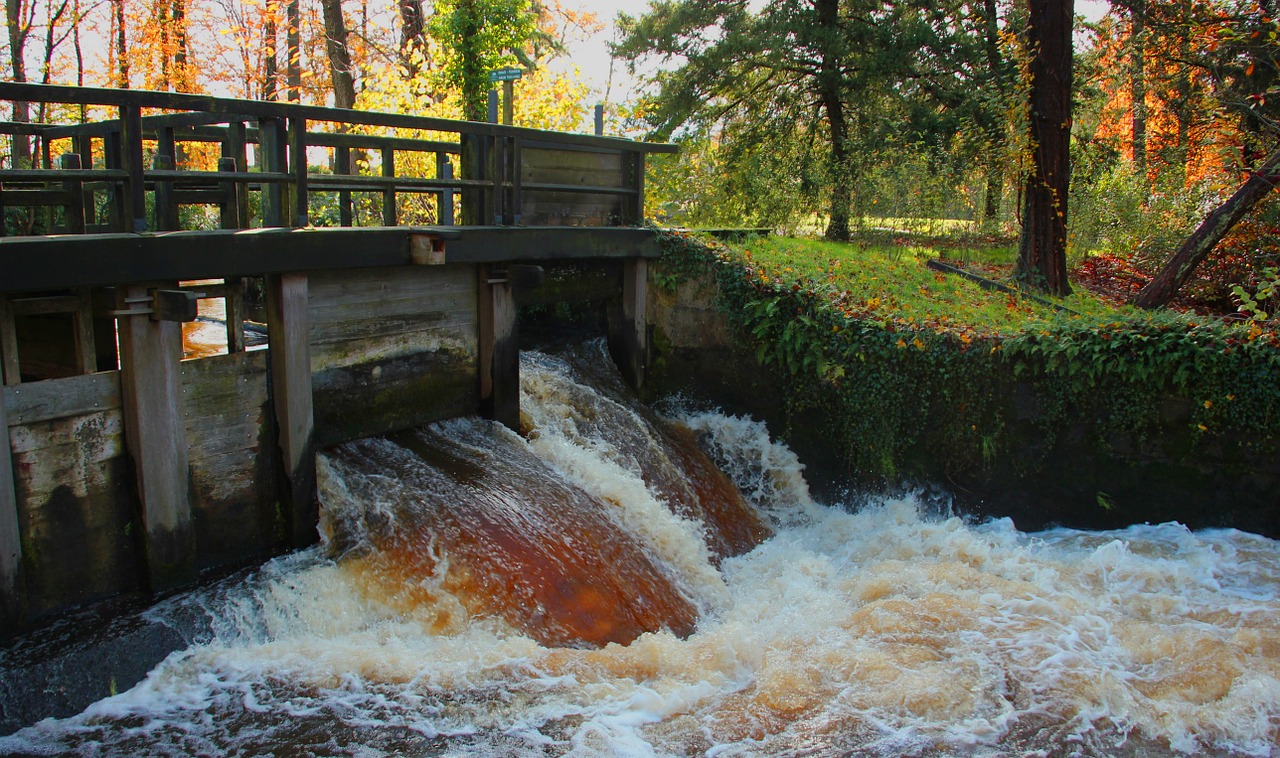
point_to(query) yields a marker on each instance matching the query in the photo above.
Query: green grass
(891, 282)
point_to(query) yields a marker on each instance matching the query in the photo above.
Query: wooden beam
(289, 340)
(135, 206)
(40, 263)
(155, 435)
(241, 109)
(498, 347)
(10, 537)
(628, 324)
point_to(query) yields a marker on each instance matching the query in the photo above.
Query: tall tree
(476, 37)
(802, 63)
(341, 74)
(1042, 251)
(1138, 85)
(18, 18)
(413, 37)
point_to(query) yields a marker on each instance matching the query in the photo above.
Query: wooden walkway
(127, 468)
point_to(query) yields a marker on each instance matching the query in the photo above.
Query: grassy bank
(911, 367)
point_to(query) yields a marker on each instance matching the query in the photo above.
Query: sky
(592, 55)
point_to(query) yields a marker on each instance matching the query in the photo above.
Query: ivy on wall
(895, 394)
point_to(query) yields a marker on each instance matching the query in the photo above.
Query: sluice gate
(319, 245)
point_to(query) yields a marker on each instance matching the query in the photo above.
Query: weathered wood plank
(536, 158)
(380, 287)
(230, 430)
(12, 373)
(391, 394)
(628, 324)
(150, 383)
(498, 346)
(218, 383)
(329, 315)
(34, 402)
(395, 335)
(10, 535)
(67, 453)
(289, 340)
(75, 511)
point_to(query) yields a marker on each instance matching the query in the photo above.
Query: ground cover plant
(907, 363)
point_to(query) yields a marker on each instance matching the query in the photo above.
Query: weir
(515, 556)
(251, 220)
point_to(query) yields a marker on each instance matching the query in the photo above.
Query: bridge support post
(628, 324)
(155, 434)
(499, 348)
(10, 538)
(289, 340)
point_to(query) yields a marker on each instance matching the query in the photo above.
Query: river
(594, 587)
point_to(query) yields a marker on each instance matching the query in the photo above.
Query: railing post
(10, 535)
(444, 208)
(75, 192)
(389, 195)
(289, 342)
(229, 206)
(135, 200)
(298, 166)
(166, 159)
(236, 148)
(516, 169)
(342, 165)
(475, 209)
(273, 148)
(83, 146)
(155, 434)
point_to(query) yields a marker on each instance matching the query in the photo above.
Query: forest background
(828, 116)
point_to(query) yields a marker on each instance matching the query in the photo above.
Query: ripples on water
(879, 632)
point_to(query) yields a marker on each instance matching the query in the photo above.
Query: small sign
(508, 74)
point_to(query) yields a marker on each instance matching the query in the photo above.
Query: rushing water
(594, 587)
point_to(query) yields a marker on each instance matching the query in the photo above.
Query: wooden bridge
(330, 235)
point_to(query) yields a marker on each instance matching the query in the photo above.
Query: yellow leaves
(902, 344)
(1208, 404)
(918, 343)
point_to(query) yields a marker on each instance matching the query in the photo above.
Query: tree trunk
(293, 41)
(121, 47)
(994, 134)
(18, 32)
(1207, 235)
(831, 91)
(1042, 254)
(994, 191)
(1138, 87)
(182, 79)
(413, 39)
(270, 63)
(335, 30)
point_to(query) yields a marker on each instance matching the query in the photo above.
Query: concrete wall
(1075, 479)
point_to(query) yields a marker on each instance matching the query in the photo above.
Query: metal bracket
(164, 305)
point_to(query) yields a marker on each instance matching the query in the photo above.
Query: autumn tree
(476, 37)
(802, 63)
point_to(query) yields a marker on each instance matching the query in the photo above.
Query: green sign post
(508, 76)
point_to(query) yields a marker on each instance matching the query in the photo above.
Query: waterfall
(610, 581)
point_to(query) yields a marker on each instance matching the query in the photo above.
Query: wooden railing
(279, 162)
